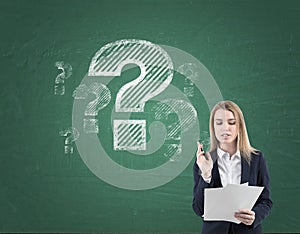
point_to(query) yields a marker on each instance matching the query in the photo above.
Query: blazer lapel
(215, 170)
(245, 171)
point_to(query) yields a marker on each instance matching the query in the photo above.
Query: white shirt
(230, 169)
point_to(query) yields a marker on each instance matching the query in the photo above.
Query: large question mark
(71, 135)
(98, 159)
(156, 74)
(102, 99)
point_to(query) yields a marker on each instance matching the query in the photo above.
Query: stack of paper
(222, 203)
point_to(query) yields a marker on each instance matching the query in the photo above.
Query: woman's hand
(204, 163)
(245, 216)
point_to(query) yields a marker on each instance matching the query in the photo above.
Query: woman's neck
(229, 148)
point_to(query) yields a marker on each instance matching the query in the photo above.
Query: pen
(202, 150)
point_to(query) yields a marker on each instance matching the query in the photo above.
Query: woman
(232, 160)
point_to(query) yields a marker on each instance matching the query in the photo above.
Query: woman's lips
(225, 135)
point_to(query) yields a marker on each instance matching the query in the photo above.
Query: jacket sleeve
(199, 186)
(264, 203)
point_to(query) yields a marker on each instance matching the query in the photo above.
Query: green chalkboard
(68, 168)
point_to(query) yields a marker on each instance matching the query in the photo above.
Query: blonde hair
(243, 143)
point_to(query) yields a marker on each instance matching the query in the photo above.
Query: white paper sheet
(222, 203)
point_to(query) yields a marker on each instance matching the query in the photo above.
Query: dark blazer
(256, 174)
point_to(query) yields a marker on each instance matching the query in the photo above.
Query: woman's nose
(225, 126)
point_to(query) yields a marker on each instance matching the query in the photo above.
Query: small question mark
(102, 99)
(66, 72)
(71, 135)
(156, 74)
(165, 113)
(185, 121)
(189, 70)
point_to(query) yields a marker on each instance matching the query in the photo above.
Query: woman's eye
(232, 123)
(218, 123)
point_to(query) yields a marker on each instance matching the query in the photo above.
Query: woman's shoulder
(257, 152)
(257, 155)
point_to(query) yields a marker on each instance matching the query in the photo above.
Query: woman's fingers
(208, 156)
(200, 147)
(200, 151)
(245, 216)
(248, 214)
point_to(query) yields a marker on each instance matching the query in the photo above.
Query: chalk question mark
(156, 74)
(185, 121)
(71, 135)
(189, 70)
(102, 99)
(66, 72)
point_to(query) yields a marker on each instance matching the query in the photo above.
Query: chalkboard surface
(53, 177)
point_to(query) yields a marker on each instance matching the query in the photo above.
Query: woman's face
(225, 126)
